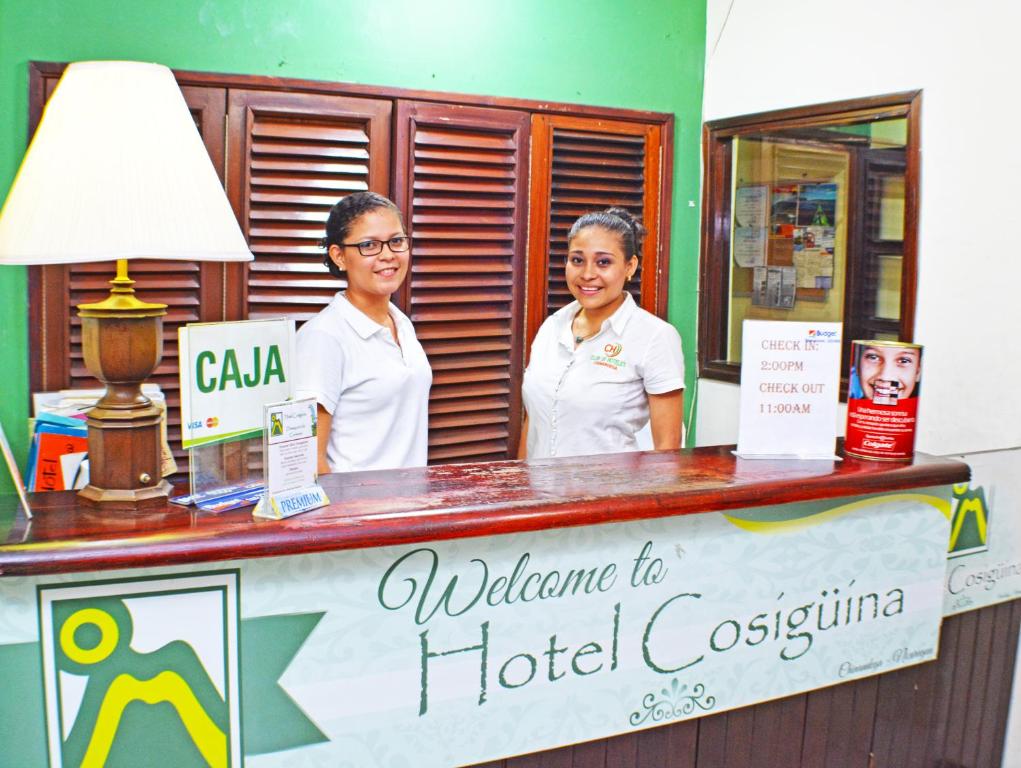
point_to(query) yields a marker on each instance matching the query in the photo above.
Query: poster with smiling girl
(882, 399)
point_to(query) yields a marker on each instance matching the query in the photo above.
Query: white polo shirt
(376, 391)
(594, 399)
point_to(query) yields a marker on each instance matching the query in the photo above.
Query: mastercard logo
(212, 421)
(612, 350)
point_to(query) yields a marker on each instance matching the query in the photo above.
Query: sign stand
(790, 379)
(228, 372)
(291, 458)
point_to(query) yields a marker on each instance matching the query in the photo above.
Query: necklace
(579, 338)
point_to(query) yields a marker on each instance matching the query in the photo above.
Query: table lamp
(117, 171)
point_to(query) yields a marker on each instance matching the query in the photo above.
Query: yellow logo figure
(276, 425)
(130, 694)
(969, 527)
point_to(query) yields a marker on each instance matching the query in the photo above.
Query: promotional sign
(882, 399)
(463, 651)
(984, 561)
(291, 459)
(228, 372)
(790, 380)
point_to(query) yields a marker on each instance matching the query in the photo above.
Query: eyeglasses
(397, 244)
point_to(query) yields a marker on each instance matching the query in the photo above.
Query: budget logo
(133, 667)
(969, 525)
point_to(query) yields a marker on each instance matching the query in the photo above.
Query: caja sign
(228, 372)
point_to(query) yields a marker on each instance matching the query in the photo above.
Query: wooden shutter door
(461, 180)
(292, 156)
(582, 164)
(191, 290)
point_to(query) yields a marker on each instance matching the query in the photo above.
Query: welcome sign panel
(464, 651)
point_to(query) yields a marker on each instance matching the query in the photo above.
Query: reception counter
(372, 509)
(648, 609)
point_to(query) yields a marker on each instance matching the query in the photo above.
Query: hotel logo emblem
(969, 524)
(124, 660)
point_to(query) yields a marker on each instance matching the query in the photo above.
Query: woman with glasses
(359, 356)
(602, 367)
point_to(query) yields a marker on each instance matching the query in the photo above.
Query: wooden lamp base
(122, 342)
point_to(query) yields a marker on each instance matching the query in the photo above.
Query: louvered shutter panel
(877, 167)
(581, 165)
(298, 154)
(462, 183)
(191, 290)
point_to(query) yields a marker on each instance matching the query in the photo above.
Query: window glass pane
(817, 213)
(788, 233)
(888, 288)
(891, 208)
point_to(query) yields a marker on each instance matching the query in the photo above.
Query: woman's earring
(337, 259)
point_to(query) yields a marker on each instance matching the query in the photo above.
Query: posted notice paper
(790, 380)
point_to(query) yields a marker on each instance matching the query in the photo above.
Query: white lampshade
(117, 170)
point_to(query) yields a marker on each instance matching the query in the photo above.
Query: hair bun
(629, 219)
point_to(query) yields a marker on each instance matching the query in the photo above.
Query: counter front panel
(478, 612)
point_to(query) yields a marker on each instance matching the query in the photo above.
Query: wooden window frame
(415, 294)
(714, 266)
(655, 263)
(49, 368)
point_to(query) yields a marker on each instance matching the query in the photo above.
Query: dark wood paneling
(838, 725)
(293, 155)
(886, 106)
(268, 83)
(714, 264)
(590, 753)
(580, 165)
(592, 171)
(461, 178)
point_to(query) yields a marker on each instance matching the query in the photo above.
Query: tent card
(790, 386)
(228, 371)
(291, 460)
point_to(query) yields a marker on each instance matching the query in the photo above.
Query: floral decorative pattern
(676, 701)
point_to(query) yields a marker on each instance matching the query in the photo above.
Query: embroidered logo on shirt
(610, 359)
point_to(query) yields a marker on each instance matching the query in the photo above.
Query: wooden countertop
(387, 507)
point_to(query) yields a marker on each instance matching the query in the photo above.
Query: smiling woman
(360, 357)
(602, 368)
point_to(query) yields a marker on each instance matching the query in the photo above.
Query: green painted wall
(644, 54)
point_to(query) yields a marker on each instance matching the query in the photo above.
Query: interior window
(806, 219)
